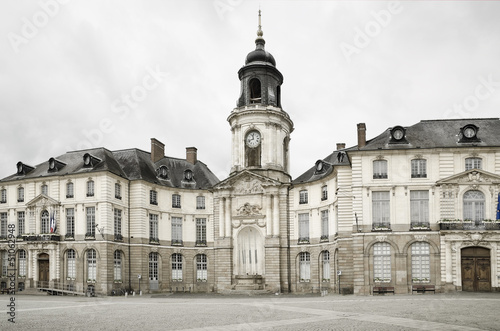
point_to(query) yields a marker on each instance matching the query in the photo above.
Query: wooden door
(43, 270)
(476, 269)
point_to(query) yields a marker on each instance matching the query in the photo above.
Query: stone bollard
(126, 294)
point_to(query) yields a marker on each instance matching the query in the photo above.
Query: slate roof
(337, 158)
(439, 134)
(132, 164)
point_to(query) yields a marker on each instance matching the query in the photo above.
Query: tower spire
(260, 41)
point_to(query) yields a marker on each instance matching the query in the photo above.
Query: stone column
(449, 276)
(222, 226)
(269, 216)
(276, 215)
(227, 213)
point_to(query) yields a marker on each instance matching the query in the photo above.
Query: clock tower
(260, 127)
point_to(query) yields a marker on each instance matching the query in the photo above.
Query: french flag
(53, 225)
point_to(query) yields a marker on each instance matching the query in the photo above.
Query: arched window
(420, 262)
(176, 267)
(201, 268)
(71, 264)
(473, 163)
(117, 262)
(69, 190)
(90, 188)
(22, 263)
(91, 265)
(305, 266)
(153, 266)
(325, 259)
(45, 189)
(474, 205)
(382, 262)
(255, 90)
(45, 222)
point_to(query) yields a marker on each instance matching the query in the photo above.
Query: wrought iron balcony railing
(478, 225)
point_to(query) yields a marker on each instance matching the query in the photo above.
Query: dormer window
(398, 135)
(55, 165)
(90, 161)
(23, 169)
(320, 167)
(162, 172)
(188, 175)
(469, 134)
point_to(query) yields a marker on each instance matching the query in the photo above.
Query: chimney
(157, 150)
(191, 155)
(340, 146)
(361, 135)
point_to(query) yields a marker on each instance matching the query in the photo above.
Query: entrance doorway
(250, 252)
(43, 270)
(476, 269)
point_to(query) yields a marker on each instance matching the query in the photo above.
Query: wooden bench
(383, 289)
(423, 288)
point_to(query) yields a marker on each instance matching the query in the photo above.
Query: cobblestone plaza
(456, 311)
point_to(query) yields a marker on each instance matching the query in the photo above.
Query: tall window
(45, 222)
(176, 201)
(201, 267)
(474, 205)
(5, 263)
(22, 263)
(71, 263)
(201, 231)
(324, 225)
(381, 212)
(90, 188)
(382, 262)
(90, 222)
(153, 227)
(117, 266)
(177, 267)
(255, 90)
(152, 197)
(118, 191)
(379, 169)
(3, 196)
(21, 222)
(419, 168)
(200, 202)
(419, 208)
(325, 258)
(70, 222)
(305, 266)
(3, 225)
(473, 163)
(303, 198)
(20, 194)
(176, 230)
(153, 266)
(324, 192)
(91, 265)
(45, 189)
(420, 262)
(69, 190)
(118, 224)
(304, 228)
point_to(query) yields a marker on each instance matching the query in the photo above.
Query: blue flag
(498, 207)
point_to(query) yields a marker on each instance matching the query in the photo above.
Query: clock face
(469, 132)
(398, 134)
(253, 139)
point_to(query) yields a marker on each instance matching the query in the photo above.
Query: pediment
(246, 182)
(471, 177)
(43, 201)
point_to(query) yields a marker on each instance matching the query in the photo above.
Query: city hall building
(412, 207)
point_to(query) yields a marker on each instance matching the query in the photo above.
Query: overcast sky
(79, 74)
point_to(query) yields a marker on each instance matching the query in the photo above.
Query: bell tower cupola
(260, 127)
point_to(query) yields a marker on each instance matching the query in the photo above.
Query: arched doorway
(476, 269)
(250, 252)
(43, 270)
